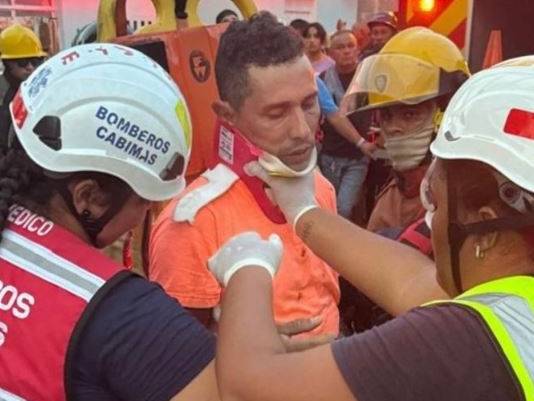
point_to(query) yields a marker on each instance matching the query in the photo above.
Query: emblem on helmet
(381, 81)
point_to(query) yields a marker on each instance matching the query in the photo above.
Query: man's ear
(224, 111)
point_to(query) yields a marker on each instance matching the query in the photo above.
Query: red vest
(48, 277)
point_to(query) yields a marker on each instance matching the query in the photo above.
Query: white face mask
(408, 151)
(276, 167)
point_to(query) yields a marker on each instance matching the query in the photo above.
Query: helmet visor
(385, 79)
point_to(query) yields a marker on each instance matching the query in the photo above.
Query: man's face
(312, 41)
(344, 50)
(281, 114)
(380, 34)
(21, 69)
(403, 120)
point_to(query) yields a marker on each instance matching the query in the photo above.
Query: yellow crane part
(112, 17)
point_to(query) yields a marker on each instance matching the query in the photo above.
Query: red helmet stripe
(520, 123)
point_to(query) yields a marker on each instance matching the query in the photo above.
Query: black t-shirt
(139, 344)
(335, 144)
(439, 353)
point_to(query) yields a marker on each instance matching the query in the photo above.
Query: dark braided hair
(25, 183)
(20, 180)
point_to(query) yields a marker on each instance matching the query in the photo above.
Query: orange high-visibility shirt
(304, 286)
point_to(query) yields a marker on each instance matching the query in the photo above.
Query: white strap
(220, 180)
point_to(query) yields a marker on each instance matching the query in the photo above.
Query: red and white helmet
(491, 119)
(110, 109)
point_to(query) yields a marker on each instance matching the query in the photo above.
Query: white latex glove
(247, 249)
(294, 196)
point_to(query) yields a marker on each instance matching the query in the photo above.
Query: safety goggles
(34, 61)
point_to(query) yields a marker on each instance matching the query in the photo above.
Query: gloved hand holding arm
(394, 276)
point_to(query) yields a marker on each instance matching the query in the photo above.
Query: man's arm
(400, 360)
(251, 361)
(344, 127)
(395, 276)
(339, 121)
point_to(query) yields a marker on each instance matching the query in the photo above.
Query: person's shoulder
(421, 328)
(142, 342)
(216, 188)
(424, 351)
(135, 304)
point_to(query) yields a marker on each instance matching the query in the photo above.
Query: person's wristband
(361, 142)
(249, 262)
(301, 213)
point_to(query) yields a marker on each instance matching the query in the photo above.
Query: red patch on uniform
(520, 123)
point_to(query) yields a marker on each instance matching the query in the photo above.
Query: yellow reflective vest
(507, 307)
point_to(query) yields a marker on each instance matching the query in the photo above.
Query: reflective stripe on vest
(45, 264)
(47, 278)
(7, 396)
(507, 307)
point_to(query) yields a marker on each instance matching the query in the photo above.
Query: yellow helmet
(17, 41)
(415, 65)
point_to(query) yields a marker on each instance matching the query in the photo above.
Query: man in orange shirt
(269, 95)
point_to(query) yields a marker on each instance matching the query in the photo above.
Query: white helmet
(491, 120)
(110, 109)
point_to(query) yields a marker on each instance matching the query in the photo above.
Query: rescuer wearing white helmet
(101, 131)
(476, 344)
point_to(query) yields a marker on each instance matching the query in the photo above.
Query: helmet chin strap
(456, 236)
(90, 225)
